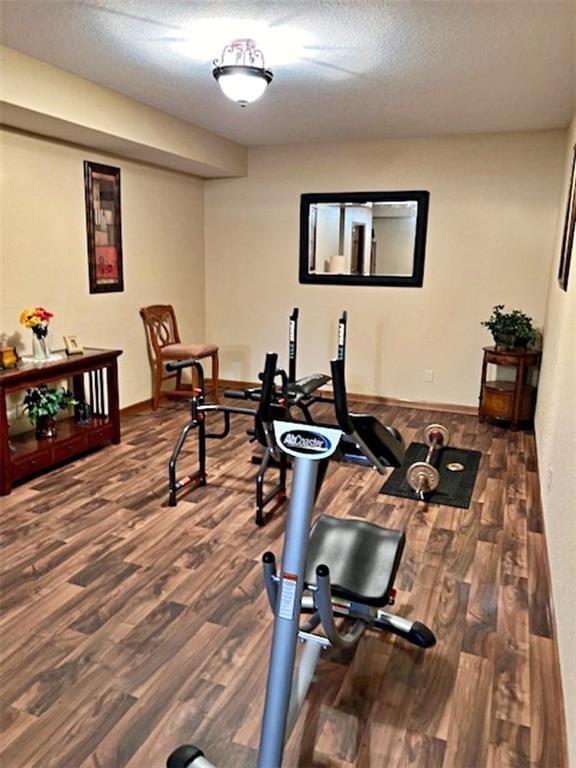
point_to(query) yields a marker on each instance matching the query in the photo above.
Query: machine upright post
(342, 323)
(292, 344)
(283, 653)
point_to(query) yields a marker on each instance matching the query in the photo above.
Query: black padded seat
(307, 385)
(385, 442)
(362, 557)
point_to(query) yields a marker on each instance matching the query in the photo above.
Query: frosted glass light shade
(242, 84)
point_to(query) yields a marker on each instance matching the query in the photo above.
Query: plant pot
(45, 427)
(504, 341)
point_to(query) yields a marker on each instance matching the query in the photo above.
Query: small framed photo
(73, 346)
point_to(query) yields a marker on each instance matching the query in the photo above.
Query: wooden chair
(165, 345)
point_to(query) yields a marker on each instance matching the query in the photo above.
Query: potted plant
(509, 329)
(42, 403)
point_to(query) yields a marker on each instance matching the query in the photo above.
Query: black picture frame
(103, 227)
(415, 280)
(568, 232)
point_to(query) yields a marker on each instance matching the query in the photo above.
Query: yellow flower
(25, 314)
(29, 318)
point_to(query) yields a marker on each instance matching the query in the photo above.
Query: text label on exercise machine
(305, 442)
(288, 596)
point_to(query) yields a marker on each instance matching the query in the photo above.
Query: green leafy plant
(512, 328)
(46, 401)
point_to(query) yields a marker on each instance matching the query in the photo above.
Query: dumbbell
(422, 476)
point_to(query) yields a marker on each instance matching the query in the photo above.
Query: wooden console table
(94, 376)
(512, 401)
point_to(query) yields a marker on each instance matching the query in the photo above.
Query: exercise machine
(199, 410)
(295, 393)
(422, 476)
(338, 568)
(301, 391)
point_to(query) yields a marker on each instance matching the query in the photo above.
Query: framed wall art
(103, 227)
(569, 224)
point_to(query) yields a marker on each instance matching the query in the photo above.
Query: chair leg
(215, 375)
(157, 385)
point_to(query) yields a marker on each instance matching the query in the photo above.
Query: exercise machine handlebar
(323, 601)
(178, 365)
(244, 394)
(340, 398)
(267, 390)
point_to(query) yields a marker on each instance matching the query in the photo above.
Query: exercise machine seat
(362, 557)
(384, 442)
(307, 385)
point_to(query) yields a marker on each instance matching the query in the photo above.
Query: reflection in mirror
(363, 238)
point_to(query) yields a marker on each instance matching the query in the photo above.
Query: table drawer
(71, 447)
(99, 435)
(27, 465)
(497, 358)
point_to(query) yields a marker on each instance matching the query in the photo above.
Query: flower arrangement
(510, 329)
(38, 320)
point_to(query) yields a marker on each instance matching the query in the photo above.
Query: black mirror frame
(415, 280)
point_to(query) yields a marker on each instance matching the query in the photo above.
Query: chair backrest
(161, 326)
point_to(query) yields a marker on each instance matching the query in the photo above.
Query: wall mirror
(363, 238)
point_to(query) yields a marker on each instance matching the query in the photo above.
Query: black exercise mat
(455, 488)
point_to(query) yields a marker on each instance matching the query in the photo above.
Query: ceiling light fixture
(241, 73)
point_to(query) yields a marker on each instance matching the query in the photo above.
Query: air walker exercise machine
(338, 568)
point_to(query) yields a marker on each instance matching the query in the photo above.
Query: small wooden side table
(512, 401)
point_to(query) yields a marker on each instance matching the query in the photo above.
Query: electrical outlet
(429, 377)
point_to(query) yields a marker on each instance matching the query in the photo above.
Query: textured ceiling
(344, 69)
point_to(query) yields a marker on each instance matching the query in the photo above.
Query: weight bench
(305, 387)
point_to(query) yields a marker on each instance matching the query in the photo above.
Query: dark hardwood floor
(129, 627)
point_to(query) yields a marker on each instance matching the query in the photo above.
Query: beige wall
(493, 203)
(43, 258)
(49, 101)
(556, 442)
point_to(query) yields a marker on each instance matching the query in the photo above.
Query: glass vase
(45, 427)
(40, 348)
